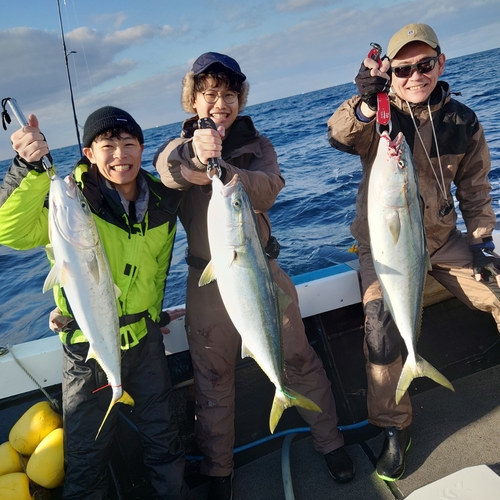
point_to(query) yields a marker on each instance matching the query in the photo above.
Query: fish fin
(91, 354)
(93, 267)
(52, 279)
(245, 352)
(286, 398)
(63, 275)
(428, 265)
(208, 275)
(118, 292)
(394, 226)
(124, 398)
(284, 300)
(421, 368)
(49, 250)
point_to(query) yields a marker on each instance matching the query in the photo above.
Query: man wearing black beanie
(136, 218)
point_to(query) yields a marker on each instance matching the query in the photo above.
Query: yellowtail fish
(82, 270)
(252, 299)
(399, 250)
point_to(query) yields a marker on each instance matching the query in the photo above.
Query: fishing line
(78, 24)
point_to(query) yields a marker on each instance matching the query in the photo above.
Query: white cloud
(302, 5)
(140, 67)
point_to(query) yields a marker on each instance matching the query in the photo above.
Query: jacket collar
(99, 193)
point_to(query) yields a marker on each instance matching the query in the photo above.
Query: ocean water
(312, 214)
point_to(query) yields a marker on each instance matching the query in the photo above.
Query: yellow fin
(421, 368)
(245, 352)
(49, 250)
(92, 354)
(394, 225)
(125, 398)
(63, 274)
(208, 275)
(52, 279)
(286, 398)
(284, 300)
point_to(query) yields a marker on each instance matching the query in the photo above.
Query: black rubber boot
(391, 461)
(221, 488)
(340, 465)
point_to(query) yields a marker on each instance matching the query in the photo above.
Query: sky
(133, 54)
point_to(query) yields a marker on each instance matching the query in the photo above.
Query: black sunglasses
(421, 67)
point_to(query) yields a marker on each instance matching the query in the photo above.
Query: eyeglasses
(230, 96)
(422, 67)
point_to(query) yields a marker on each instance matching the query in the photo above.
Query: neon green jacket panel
(139, 254)
(23, 211)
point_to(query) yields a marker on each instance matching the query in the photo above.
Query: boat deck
(450, 431)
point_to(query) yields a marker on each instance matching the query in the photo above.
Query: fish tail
(124, 398)
(286, 398)
(419, 368)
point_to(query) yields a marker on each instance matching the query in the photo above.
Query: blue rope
(341, 428)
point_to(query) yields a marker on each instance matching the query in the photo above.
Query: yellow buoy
(46, 465)
(15, 486)
(10, 460)
(33, 426)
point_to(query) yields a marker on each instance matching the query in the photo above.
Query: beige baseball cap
(411, 33)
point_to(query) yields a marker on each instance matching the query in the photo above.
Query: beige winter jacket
(465, 161)
(244, 152)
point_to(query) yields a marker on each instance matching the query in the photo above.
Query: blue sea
(312, 214)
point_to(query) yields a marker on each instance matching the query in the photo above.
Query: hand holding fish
(28, 142)
(207, 143)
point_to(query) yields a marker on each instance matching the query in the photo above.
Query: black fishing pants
(146, 378)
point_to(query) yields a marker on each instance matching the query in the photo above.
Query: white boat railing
(319, 291)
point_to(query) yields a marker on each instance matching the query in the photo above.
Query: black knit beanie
(109, 118)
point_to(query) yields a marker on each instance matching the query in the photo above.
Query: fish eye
(237, 203)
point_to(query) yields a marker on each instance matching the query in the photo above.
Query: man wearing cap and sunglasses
(216, 88)
(448, 146)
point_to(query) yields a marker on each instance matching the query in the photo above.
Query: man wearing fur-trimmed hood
(216, 88)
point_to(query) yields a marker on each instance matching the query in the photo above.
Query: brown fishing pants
(214, 345)
(452, 267)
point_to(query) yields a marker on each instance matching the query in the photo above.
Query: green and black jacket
(139, 253)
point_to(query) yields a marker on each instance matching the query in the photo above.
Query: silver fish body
(399, 249)
(82, 270)
(252, 299)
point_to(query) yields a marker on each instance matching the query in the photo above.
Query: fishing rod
(66, 54)
(19, 115)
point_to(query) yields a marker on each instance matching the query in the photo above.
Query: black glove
(164, 318)
(369, 86)
(485, 261)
